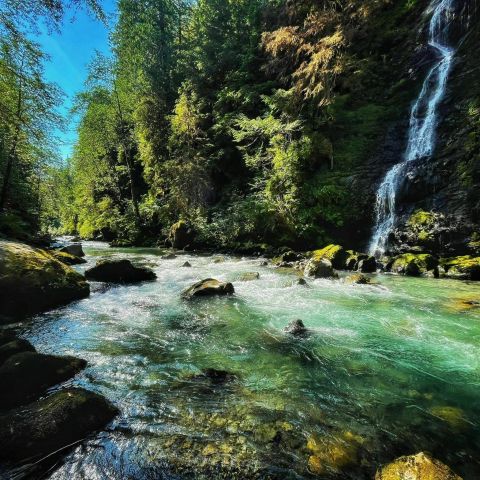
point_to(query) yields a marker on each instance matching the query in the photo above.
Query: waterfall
(423, 122)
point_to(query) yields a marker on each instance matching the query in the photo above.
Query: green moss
(464, 267)
(335, 253)
(414, 264)
(421, 218)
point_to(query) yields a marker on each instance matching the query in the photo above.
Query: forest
(241, 118)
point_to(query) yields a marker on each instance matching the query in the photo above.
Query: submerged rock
(53, 423)
(320, 268)
(416, 467)
(181, 235)
(18, 345)
(249, 276)
(32, 280)
(119, 271)
(208, 287)
(357, 279)
(67, 258)
(25, 376)
(75, 249)
(215, 377)
(296, 328)
(454, 416)
(302, 281)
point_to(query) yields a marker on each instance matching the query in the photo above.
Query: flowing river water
(388, 369)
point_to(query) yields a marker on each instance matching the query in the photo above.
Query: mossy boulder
(207, 288)
(119, 271)
(416, 467)
(74, 249)
(464, 268)
(52, 423)
(32, 280)
(181, 235)
(249, 276)
(67, 258)
(336, 254)
(25, 376)
(353, 259)
(18, 345)
(320, 268)
(413, 264)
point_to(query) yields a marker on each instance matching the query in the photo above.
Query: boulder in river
(208, 287)
(296, 328)
(67, 258)
(214, 376)
(463, 268)
(53, 423)
(320, 268)
(413, 264)
(181, 235)
(74, 249)
(336, 254)
(368, 265)
(119, 271)
(25, 376)
(17, 345)
(169, 256)
(187, 265)
(416, 467)
(32, 280)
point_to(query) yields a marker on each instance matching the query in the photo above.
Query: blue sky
(70, 52)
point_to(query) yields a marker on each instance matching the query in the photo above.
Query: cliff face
(446, 187)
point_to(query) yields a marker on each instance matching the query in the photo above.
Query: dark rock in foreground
(119, 271)
(18, 345)
(32, 281)
(53, 423)
(208, 287)
(7, 336)
(75, 249)
(25, 376)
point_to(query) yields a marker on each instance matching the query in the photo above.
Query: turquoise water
(386, 370)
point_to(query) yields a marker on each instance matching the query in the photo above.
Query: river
(386, 370)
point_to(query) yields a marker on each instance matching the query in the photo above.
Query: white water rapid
(423, 122)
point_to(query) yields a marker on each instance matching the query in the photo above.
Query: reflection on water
(387, 370)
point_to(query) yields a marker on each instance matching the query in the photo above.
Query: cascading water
(423, 122)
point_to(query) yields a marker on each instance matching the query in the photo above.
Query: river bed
(387, 369)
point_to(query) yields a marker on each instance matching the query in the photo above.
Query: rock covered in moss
(13, 347)
(353, 259)
(74, 249)
(119, 271)
(53, 423)
(413, 264)
(464, 268)
(67, 258)
(336, 254)
(320, 268)
(416, 467)
(208, 288)
(181, 235)
(25, 376)
(32, 280)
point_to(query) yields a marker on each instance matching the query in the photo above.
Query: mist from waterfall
(423, 122)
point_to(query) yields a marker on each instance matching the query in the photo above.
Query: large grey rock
(320, 268)
(208, 287)
(74, 249)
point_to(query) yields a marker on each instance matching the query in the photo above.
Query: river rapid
(387, 369)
